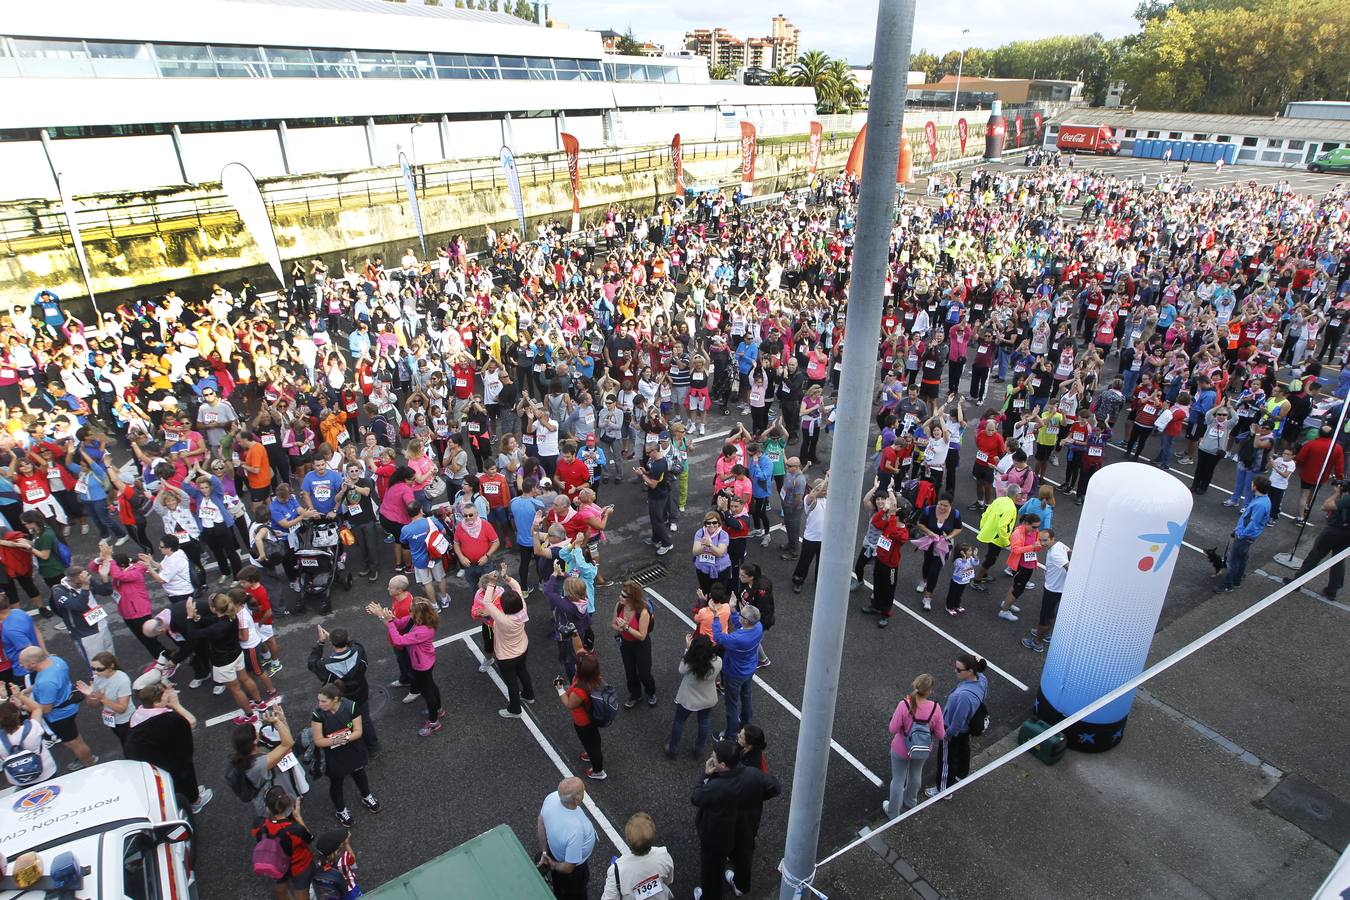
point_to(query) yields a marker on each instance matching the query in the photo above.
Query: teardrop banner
(930, 132)
(962, 129)
(573, 150)
(813, 148)
(747, 159)
(677, 157)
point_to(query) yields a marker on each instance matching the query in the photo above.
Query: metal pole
(1291, 559)
(876, 211)
(960, 64)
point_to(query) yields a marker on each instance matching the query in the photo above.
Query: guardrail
(109, 215)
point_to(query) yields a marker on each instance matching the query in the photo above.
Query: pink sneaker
(242, 719)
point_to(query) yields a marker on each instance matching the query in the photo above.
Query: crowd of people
(459, 427)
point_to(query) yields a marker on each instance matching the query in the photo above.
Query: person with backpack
(255, 767)
(347, 667)
(578, 698)
(963, 716)
(645, 872)
(335, 867)
(161, 734)
(50, 684)
(336, 726)
(915, 725)
(27, 759)
(86, 621)
(632, 624)
(281, 850)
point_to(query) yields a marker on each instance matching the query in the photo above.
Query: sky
(937, 27)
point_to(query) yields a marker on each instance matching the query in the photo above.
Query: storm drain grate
(647, 574)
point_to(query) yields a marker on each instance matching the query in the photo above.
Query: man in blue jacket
(1251, 523)
(747, 352)
(761, 487)
(741, 646)
(1205, 398)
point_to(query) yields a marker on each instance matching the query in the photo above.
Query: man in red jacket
(1313, 461)
(571, 473)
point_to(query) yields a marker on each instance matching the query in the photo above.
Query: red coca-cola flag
(573, 151)
(747, 159)
(930, 132)
(677, 157)
(813, 148)
(962, 129)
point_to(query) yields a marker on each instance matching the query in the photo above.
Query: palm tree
(845, 92)
(782, 77)
(720, 73)
(811, 70)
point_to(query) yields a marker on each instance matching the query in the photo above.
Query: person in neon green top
(1047, 439)
(996, 527)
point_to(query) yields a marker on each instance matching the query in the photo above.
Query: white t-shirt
(546, 440)
(814, 529)
(1056, 567)
(1280, 470)
(245, 619)
(32, 742)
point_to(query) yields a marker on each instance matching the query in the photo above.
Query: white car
(113, 830)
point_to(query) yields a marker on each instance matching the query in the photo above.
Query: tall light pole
(876, 217)
(960, 64)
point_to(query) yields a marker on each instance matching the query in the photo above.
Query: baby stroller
(322, 561)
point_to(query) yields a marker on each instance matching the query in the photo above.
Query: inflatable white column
(1127, 545)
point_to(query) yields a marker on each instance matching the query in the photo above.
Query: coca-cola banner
(813, 148)
(1036, 120)
(962, 130)
(747, 159)
(677, 157)
(930, 133)
(573, 150)
(1017, 126)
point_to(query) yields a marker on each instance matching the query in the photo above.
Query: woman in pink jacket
(416, 633)
(127, 578)
(1024, 545)
(915, 710)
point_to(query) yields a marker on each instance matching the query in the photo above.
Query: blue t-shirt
(323, 490)
(283, 512)
(52, 686)
(17, 633)
(571, 836)
(522, 514)
(414, 535)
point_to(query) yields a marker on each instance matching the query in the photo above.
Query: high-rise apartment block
(722, 48)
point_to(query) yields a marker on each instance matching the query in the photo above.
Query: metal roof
(1211, 123)
(400, 9)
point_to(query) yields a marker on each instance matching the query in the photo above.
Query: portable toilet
(1210, 154)
(1230, 152)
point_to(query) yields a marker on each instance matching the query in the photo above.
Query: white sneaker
(1054, 459)
(730, 877)
(702, 428)
(1007, 615)
(218, 689)
(196, 683)
(918, 588)
(486, 664)
(204, 796)
(120, 541)
(84, 527)
(930, 792)
(764, 541)
(674, 528)
(412, 695)
(927, 603)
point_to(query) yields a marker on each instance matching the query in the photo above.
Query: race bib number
(343, 437)
(7, 373)
(95, 615)
(1029, 558)
(475, 428)
(1052, 430)
(930, 364)
(708, 559)
(210, 418)
(883, 543)
(34, 494)
(648, 888)
(1018, 404)
(353, 509)
(1094, 451)
(323, 491)
(1149, 409)
(981, 456)
(1035, 382)
(983, 349)
(209, 514)
(461, 382)
(109, 717)
(287, 762)
(539, 367)
(351, 408)
(490, 488)
(82, 485)
(269, 440)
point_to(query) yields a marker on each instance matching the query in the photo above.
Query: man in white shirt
(1056, 574)
(566, 838)
(174, 571)
(813, 531)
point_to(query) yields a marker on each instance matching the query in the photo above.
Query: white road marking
(782, 701)
(533, 727)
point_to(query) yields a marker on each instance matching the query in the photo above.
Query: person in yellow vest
(996, 528)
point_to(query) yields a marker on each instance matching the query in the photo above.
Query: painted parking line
(779, 698)
(552, 753)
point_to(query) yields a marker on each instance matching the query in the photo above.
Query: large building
(981, 91)
(720, 47)
(162, 93)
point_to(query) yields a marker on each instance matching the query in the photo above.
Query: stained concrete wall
(192, 249)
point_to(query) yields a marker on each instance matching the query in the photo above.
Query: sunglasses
(99, 668)
(711, 523)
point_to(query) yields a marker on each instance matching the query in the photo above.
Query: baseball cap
(328, 842)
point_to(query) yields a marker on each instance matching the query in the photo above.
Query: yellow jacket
(998, 521)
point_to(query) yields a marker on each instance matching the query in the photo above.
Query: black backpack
(242, 786)
(979, 721)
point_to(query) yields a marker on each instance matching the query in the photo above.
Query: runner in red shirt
(571, 473)
(893, 535)
(989, 449)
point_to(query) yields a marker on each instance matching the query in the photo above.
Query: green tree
(925, 62)
(627, 44)
(845, 92)
(720, 73)
(812, 69)
(781, 77)
(524, 9)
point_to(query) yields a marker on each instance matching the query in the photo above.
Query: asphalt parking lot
(1176, 811)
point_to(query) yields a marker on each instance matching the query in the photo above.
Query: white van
(113, 830)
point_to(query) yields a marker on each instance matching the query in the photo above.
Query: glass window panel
(335, 64)
(511, 62)
(450, 65)
(414, 65)
(541, 69)
(116, 60)
(53, 59)
(289, 63)
(571, 65)
(239, 62)
(376, 64)
(591, 71)
(482, 67)
(185, 61)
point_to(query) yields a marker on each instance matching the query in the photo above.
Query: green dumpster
(492, 866)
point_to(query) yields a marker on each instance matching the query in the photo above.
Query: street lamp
(960, 63)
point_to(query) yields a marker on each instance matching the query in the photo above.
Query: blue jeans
(677, 728)
(107, 525)
(1165, 452)
(1003, 357)
(1131, 378)
(1238, 551)
(1243, 489)
(739, 706)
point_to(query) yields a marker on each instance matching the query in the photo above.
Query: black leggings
(637, 667)
(335, 784)
(759, 513)
(932, 568)
(423, 683)
(221, 542)
(590, 740)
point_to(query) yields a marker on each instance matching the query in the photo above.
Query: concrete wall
(194, 250)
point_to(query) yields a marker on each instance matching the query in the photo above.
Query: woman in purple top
(711, 562)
